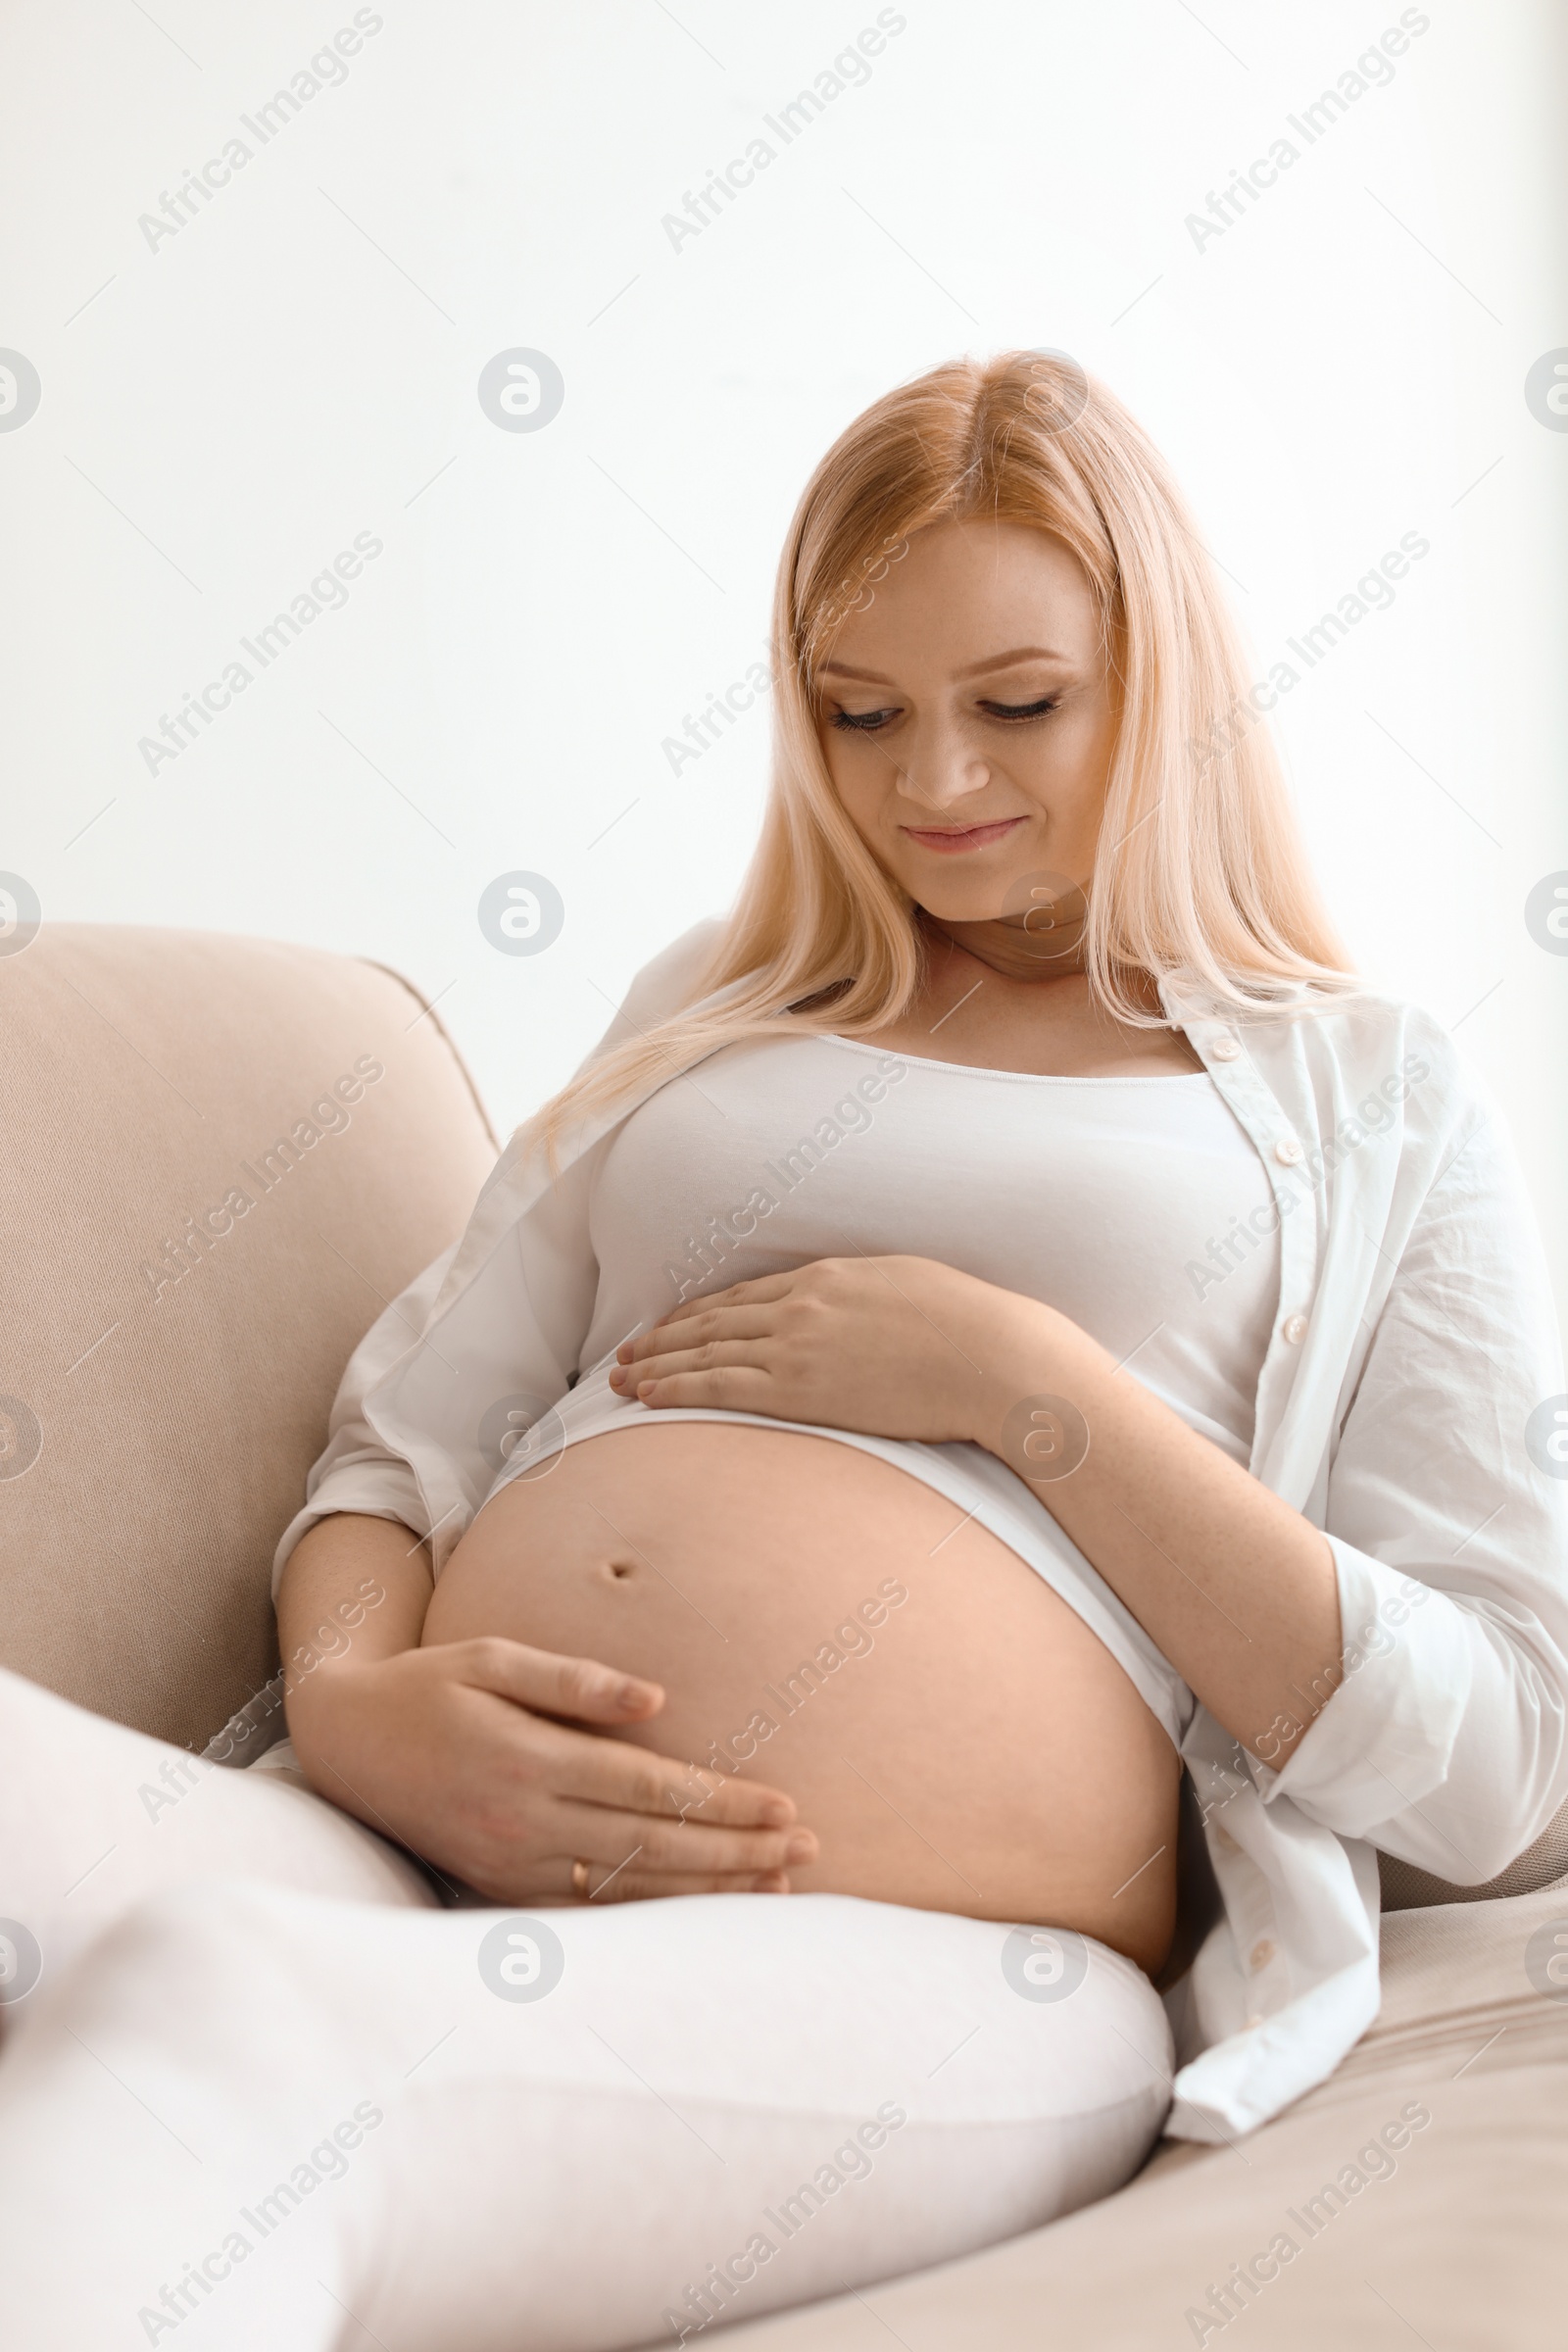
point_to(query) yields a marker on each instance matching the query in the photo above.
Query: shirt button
(1262, 1953)
(1288, 1151)
(1224, 1049)
(1294, 1329)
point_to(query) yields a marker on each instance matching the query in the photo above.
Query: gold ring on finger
(579, 1877)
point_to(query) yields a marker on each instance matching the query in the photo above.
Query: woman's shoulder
(1360, 1026)
(1369, 1047)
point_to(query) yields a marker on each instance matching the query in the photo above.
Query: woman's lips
(950, 839)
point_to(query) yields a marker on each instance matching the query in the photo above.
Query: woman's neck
(1019, 954)
(1018, 947)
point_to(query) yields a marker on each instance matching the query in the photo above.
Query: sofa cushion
(222, 1157)
(1416, 2197)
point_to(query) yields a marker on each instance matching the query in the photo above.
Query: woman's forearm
(1235, 1586)
(354, 1587)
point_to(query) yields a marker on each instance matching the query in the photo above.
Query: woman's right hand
(482, 1757)
(493, 1760)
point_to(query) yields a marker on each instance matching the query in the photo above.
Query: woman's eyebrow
(976, 669)
(1022, 652)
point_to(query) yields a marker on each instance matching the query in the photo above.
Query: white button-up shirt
(1409, 1404)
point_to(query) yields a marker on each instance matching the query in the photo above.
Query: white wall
(224, 410)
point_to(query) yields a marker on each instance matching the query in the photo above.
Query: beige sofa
(222, 1157)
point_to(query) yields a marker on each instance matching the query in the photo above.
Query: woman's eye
(1020, 709)
(866, 722)
(861, 722)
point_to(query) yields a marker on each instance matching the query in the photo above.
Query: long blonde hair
(1205, 878)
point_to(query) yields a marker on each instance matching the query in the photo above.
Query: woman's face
(968, 716)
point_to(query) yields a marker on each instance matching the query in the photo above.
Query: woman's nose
(942, 769)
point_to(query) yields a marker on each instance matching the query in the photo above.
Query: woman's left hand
(894, 1346)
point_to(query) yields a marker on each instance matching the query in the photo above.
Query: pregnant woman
(1003, 1333)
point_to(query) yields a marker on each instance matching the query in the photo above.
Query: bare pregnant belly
(955, 1733)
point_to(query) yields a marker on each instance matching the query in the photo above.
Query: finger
(705, 1355)
(749, 1320)
(730, 1388)
(544, 1680)
(761, 1290)
(598, 1834)
(633, 1883)
(583, 1768)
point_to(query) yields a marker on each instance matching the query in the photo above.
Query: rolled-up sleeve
(1447, 1740)
(356, 1472)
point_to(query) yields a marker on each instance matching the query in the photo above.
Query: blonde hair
(1205, 879)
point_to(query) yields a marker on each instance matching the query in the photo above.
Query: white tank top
(1138, 1206)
